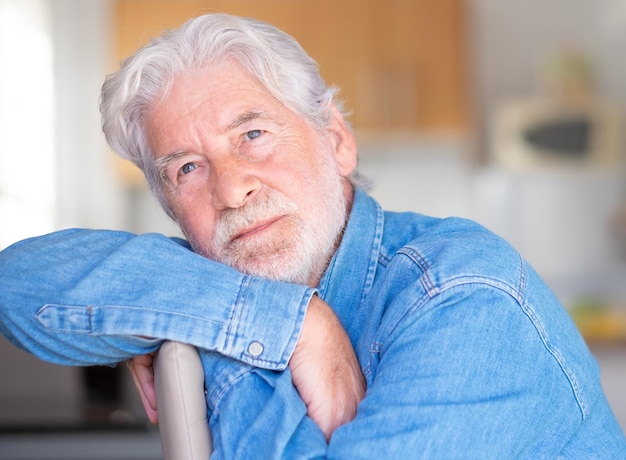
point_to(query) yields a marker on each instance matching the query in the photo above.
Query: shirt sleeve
(85, 297)
(257, 413)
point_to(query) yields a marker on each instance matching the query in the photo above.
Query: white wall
(27, 179)
(90, 193)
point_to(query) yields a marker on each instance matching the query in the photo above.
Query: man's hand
(325, 370)
(143, 376)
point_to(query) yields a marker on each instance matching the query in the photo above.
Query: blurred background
(510, 113)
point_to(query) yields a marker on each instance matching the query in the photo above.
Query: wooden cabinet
(400, 64)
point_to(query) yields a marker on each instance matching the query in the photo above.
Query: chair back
(181, 402)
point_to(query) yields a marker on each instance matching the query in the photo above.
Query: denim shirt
(466, 352)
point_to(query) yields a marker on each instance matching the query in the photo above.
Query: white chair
(179, 381)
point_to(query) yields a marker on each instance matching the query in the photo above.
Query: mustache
(262, 206)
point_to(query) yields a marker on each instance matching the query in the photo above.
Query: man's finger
(142, 374)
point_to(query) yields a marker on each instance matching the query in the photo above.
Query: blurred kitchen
(510, 113)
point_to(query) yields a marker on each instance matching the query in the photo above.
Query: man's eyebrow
(161, 164)
(246, 117)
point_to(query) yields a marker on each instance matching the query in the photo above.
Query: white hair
(273, 57)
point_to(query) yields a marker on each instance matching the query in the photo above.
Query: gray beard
(300, 256)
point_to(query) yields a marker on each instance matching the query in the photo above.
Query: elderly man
(298, 290)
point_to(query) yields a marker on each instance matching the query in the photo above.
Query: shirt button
(255, 349)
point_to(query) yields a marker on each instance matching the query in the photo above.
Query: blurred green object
(600, 321)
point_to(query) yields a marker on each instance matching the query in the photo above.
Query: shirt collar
(350, 275)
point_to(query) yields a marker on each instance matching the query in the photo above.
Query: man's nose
(234, 183)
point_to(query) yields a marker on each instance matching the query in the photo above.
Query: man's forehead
(225, 88)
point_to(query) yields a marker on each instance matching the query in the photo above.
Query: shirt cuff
(267, 323)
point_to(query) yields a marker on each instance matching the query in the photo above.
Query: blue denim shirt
(466, 352)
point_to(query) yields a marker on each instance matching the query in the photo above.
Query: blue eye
(253, 134)
(188, 167)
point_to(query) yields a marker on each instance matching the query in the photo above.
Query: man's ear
(342, 142)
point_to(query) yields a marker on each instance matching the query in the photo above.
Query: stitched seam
(547, 343)
(235, 315)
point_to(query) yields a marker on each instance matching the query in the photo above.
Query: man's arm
(325, 369)
(82, 297)
(255, 413)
